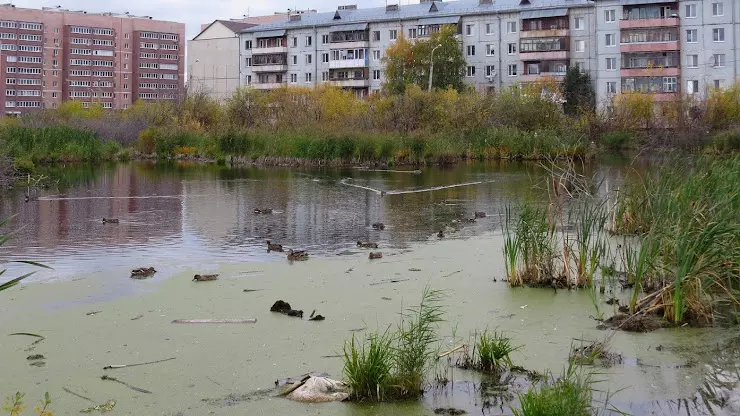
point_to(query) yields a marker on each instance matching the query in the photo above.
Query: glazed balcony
(348, 63)
(667, 46)
(269, 50)
(270, 68)
(649, 72)
(269, 85)
(645, 23)
(544, 55)
(349, 82)
(349, 39)
(549, 33)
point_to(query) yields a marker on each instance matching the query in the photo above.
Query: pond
(189, 218)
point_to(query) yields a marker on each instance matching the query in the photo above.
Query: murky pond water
(184, 219)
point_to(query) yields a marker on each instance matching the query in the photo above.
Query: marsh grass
(4, 238)
(571, 394)
(690, 223)
(394, 364)
(494, 351)
(529, 242)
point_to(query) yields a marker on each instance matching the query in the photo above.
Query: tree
(578, 92)
(407, 63)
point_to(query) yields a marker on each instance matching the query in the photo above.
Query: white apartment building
(657, 47)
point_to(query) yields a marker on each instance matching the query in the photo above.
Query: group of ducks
(478, 214)
(145, 272)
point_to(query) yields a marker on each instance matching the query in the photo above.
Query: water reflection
(177, 215)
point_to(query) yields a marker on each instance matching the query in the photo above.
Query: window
(579, 23)
(294, 42)
(490, 71)
(511, 27)
(376, 35)
(468, 30)
(690, 11)
(718, 35)
(247, 44)
(325, 57)
(324, 39)
(611, 39)
(512, 48)
(295, 59)
(376, 74)
(293, 78)
(248, 62)
(412, 33)
(692, 61)
(470, 71)
(692, 86)
(611, 64)
(393, 34)
(53, 95)
(325, 76)
(309, 58)
(376, 55)
(670, 84)
(691, 36)
(580, 46)
(470, 50)
(309, 39)
(490, 50)
(489, 29)
(718, 9)
(610, 16)
(512, 70)
(719, 60)
(719, 83)
(308, 77)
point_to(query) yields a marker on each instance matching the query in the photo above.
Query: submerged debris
(375, 255)
(480, 214)
(367, 244)
(110, 220)
(633, 323)
(284, 308)
(378, 226)
(215, 321)
(263, 211)
(594, 352)
(102, 408)
(134, 388)
(319, 390)
(449, 411)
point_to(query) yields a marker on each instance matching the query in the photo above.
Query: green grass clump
(393, 364)
(530, 244)
(494, 351)
(569, 395)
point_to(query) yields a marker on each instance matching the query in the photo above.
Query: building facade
(659, 47)
(53, 55)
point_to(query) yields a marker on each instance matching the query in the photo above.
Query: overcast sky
(195, 12)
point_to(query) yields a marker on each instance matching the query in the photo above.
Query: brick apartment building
(53, 55)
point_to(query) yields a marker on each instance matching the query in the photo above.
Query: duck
(379, 226)
(367, 245)
(441, 234)
(297, 255)
(142, 272)
(110, 220)
(205, 277)
(263, 211)
(469, 220)
(375, 255)
(480, 214)
(274, 247)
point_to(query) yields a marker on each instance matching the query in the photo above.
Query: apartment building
(505, 42)
(53, 55)
(660, 47)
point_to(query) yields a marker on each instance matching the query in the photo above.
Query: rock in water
(320, 390)
(280, 306)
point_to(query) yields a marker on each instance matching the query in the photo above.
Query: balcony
(348, 63)
(555, 76)
(549, 33)
(544, 55)
(270, 68)
(649, 72)
(270, 50)
(649, 23)
(269, 85)
(349, 82)
(671, 45)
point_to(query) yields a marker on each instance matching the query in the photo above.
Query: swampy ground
(185, 220)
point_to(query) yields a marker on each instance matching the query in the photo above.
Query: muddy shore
(217, 368)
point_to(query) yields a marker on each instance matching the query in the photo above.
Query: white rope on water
(413, 191)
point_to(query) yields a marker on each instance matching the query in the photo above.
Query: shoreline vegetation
(328, 126)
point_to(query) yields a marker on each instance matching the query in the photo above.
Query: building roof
(236, 26)
(415, 11)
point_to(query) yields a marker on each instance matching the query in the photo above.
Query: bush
(617, 140)
(727, 141)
